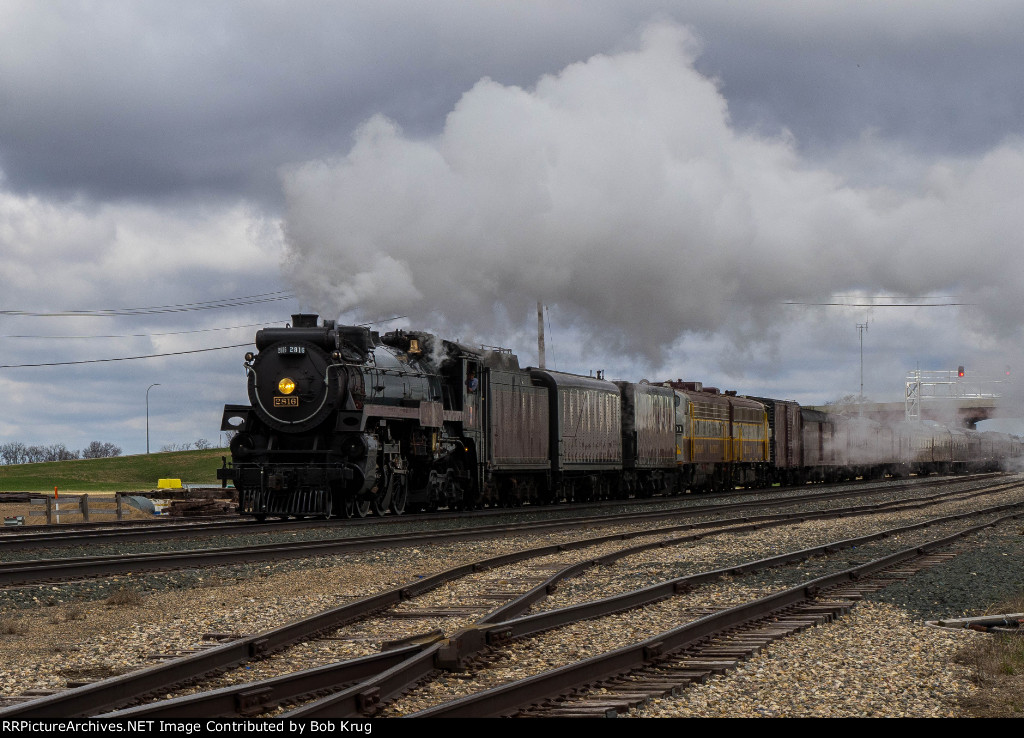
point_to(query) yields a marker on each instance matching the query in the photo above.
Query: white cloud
(78, 255)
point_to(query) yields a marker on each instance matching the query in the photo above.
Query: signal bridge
(972, 397)
(945, 396)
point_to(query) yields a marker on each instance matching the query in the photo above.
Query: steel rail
(252, 699)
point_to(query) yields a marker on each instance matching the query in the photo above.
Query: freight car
(343, 421)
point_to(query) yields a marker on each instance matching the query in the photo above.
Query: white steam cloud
(620, 191)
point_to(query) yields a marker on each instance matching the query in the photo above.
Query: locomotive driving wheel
(382, 498)
(357, 508)
(398, 490)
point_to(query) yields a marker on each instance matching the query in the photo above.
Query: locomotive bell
(414, 346)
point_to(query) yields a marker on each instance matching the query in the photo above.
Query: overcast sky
(690, 187)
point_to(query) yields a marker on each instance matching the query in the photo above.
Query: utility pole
(540, 335)
(861, 327)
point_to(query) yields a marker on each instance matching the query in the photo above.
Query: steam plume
(619, 190)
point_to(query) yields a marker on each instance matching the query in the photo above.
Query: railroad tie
(451, 611)
(576, 708)
(611, 700)
(579, 711)
(835, 607)
(616, 696)
(656, 688)
(715, 666)
(722, 652)
(220, 637)
(684, 674)
(751, 645)
(794, 626)
(31, 694)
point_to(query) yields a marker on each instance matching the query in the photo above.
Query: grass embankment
(997, 665)
(117, 474)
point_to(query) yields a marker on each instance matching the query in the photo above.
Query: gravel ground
(881, 660)
(71, 625)
(876, 662)
(971, 584)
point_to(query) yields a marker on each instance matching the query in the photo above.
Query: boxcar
(785, 439)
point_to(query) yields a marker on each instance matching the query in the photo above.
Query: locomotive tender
(343, 421)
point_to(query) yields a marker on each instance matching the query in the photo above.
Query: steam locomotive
(343, 421)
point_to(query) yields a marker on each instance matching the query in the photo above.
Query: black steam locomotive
(343, 421)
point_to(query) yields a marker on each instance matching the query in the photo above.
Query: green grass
(118, 474)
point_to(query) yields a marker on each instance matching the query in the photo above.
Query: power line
(899, 297)
(180, 308)
(383, 320)
(881, 305)
(150, 335)
(123, 358)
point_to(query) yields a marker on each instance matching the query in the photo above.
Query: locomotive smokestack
(304, 320)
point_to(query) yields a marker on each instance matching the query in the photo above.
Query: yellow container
(168, 484)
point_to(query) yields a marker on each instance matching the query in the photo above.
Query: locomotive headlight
(286, 386)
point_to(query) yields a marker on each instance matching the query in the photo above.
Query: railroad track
(50, 570)
(668, 662)
(424, 655)
(102, 534)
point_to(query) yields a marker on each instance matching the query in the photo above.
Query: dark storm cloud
(115, 99)
(943, 77)
(143, 99)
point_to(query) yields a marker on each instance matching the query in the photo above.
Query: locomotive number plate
(286, 402)
(293, 350)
